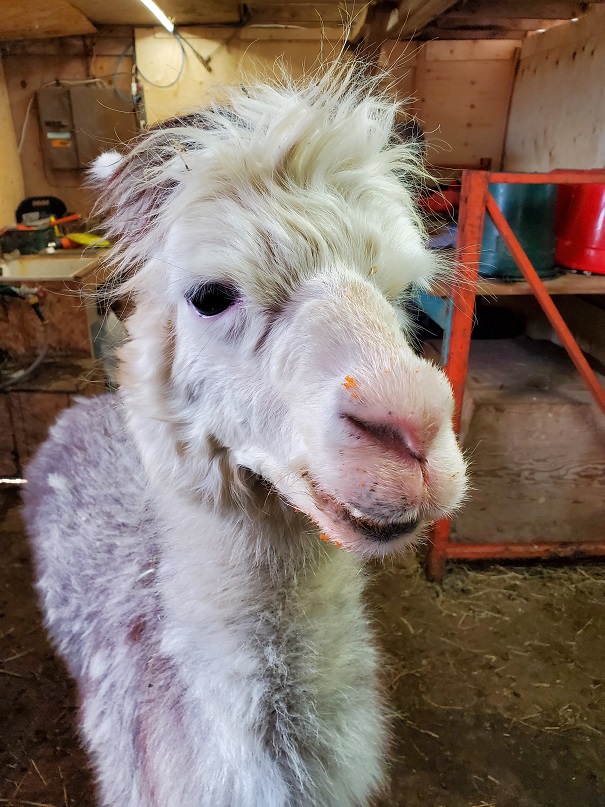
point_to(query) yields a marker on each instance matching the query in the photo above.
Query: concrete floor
(496, 682)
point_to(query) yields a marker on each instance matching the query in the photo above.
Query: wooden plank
(557, 113)
(316, 14)
(11, 177)
(59, 59)
(569, 283)
(414, 15)
(432, 32)
(470, 51)
(487, 22)
(375, 34)
(8, 450)
(253, 34)
(40, 19)
(35, 405)
(571, 34)
(558, 10)
(182, 12)
(465, 110)
(537, 445)
(159, 58)
(66, 328)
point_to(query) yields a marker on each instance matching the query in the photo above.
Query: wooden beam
(519, 9)
(181, 12)
(437, 32)
(479, 22)
(308, 14)
(375, 33)
(414, 15)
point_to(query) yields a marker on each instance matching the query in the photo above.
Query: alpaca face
(269, 330)
(302, 371)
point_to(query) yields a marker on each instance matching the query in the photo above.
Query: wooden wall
(251, 53)
(461, 94)
(11, 178)
(557, 117)
(28, 66)
(461, 90)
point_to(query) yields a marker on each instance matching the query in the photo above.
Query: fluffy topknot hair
(334, 130)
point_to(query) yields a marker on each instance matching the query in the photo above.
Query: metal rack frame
(455, 315)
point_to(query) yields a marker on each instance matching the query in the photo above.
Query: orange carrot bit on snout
(349, 382)
(324, 537)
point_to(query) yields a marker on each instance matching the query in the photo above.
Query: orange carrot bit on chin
(324, 537)
(338, 544)
(349, 382)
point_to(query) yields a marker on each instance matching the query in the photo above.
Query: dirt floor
(496, 680)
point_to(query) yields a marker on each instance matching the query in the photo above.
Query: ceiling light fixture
(574, 19)
(540, 30)
(159, 14)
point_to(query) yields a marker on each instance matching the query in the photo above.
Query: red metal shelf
(475, 200)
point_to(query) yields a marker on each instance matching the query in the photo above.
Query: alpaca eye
(212, 299)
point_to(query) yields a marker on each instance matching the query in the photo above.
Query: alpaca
(199, 536)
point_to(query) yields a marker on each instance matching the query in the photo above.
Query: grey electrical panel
(79, 122)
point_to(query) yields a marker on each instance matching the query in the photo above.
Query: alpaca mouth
(376, 530)
(381, 532)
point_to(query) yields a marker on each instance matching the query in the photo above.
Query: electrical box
(78, 122)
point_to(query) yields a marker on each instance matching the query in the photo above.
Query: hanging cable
(180, 72)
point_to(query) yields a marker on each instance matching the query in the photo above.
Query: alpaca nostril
(392, 437)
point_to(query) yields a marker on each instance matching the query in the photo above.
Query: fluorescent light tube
(159, 14)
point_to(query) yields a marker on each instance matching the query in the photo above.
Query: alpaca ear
(103, 166)
(135, 185)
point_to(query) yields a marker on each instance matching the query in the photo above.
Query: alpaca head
(268, 244)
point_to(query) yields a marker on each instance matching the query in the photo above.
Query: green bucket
(530, 211)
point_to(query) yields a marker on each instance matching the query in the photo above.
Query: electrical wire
(203, 61)
(21, 375)
(180, 72)
(116, 73)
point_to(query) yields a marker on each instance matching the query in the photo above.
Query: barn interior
(493, 660)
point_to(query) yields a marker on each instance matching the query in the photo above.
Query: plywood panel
(40, 18)
(557, 117)
(8, 449)
(66, 330)
(460, 91)
(464, 110)
(239, 60)
(40, 64)
(537, 448)
(183, 12)
(314, 14)
(11, 178)
(476, 50)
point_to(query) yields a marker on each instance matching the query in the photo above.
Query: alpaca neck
(221, 556)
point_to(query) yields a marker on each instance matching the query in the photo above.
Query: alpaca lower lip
(383, 532)
(380, 531)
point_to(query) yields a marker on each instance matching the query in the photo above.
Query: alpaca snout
(398, 466)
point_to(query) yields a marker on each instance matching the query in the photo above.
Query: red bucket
(580, 227)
